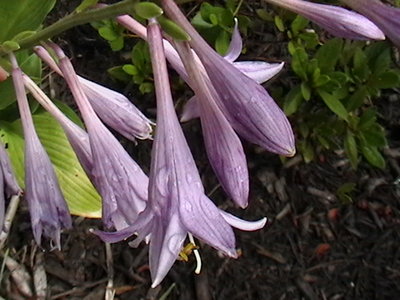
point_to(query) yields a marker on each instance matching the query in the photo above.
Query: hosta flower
(336, 20)
(112, 107)
(48, 209)
(246, 104)
(77, 137)
(120, 180)
(386, 17)
(260, 71)
(8, 182)
(223, 146)
(177, 203)
(257, 70)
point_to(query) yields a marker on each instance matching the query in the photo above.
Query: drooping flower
(246, 104)
(260, 71)
(48, 209)
(386, 17)
(112, 107)
(119, 179)
(77, 137)
(8, 182)
(177, 204)
(336, 20)
(223, 146)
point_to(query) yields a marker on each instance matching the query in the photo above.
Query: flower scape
(169, 205)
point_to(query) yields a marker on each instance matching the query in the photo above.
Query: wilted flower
(112, 107)
(8, 182)
(49, 212)
(119, 179)
(336, 20)
(223, 146)
(386, 17)
(246, 104)
(177, 203)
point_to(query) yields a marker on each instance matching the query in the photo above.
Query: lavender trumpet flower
(258, 70)
(112, 107)
(48, 209)
(120, 180)
(246, 104)
(77, 137)
(336, 20)
(8, 182)
(386, 17)
(177, 203)
(223, 146)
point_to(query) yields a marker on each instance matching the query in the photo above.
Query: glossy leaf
(21, 15)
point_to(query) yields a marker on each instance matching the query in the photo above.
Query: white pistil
(196, 254)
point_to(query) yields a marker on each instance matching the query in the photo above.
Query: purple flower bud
(177, 203)
(386, 17)
(112, 107)
(336, 20)
(119, 179)
(246, 104)
(48, 209)
(224, 148)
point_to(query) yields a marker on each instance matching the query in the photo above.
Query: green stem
(73, 20)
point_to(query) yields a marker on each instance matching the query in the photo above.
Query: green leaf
(334, 105)
(222, 42)
(367, 119)
(361, 70)
(85, 4)
(172, 29)
(357, 99)
(108, 33)
(293, 100)
(299, 24)
(300, 62)
(279, 23)
(373, 156)
(79, 193)
(386, 80)
(305, 91)
(21, 15)
(147, 10)
(328, 55)
(374, 136)
(350, 146)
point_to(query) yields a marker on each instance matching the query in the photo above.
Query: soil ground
(316, 245)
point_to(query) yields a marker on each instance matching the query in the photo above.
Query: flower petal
(11, 186)
(386, 17)
(236, 45)
(242, 224)
(336, 20)
(259, 71)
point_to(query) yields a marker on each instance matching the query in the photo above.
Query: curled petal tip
(291, 152)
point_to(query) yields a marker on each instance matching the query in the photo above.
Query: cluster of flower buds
(170, 204)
